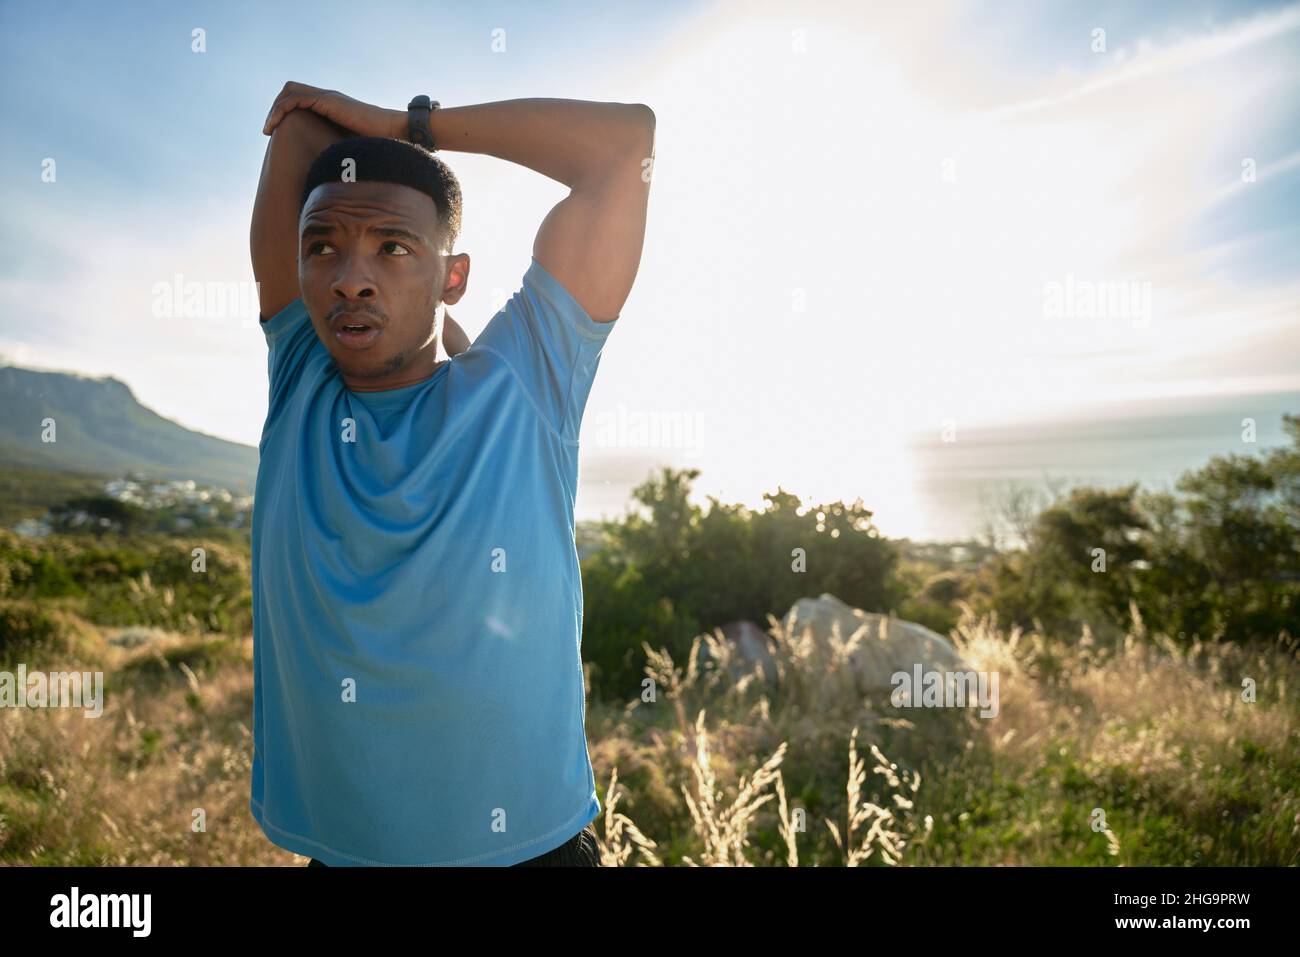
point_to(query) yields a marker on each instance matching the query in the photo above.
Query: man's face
(370, 258)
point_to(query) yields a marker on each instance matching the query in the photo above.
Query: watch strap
(417, 113)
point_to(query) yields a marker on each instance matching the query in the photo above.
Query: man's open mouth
(354, 321)
(355, 333)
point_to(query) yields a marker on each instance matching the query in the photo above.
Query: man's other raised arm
(592, 240)
(297, 139)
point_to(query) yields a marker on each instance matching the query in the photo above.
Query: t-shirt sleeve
(290, 337)
(552, 345)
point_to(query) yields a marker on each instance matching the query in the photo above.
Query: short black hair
(385, 160)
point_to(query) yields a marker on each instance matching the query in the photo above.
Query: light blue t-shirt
(417, 604)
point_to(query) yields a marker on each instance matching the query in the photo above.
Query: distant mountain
(100, 428)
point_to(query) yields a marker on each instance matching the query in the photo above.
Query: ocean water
(955, 487)
(1152, 443)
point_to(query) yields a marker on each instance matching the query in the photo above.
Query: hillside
(102, 429)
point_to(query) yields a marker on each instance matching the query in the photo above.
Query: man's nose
(352, 281)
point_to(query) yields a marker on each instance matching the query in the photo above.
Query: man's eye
(393, 242)
(315, 246)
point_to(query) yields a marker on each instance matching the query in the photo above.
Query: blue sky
(857, 211)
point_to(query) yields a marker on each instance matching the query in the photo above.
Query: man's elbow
(642, 128)
(644, 115)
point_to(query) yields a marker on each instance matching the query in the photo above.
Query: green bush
(1220, 556)
(24, 627)
(147, 580)
(675, 570)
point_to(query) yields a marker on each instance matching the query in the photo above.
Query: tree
(98, 514)
(674, 569)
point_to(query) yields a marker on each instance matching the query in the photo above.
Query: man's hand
(454, 339)
(359, 118)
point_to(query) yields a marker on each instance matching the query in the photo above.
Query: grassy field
(723, 771)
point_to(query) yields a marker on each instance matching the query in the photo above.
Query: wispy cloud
(1154, 59)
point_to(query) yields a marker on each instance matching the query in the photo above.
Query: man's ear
(457, 278)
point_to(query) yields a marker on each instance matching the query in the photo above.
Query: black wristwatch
(417, 114)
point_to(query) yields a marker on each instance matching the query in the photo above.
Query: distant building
(33, 527)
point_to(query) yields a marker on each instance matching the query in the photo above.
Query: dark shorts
(578, 851)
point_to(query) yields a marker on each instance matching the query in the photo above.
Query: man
(418, 687)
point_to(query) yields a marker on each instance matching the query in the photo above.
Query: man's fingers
(293, 96)
(283, 106)
(277, 104)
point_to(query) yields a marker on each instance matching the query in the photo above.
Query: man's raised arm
(274, 233)
(591, 241)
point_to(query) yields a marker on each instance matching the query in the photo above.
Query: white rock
(884, 645)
